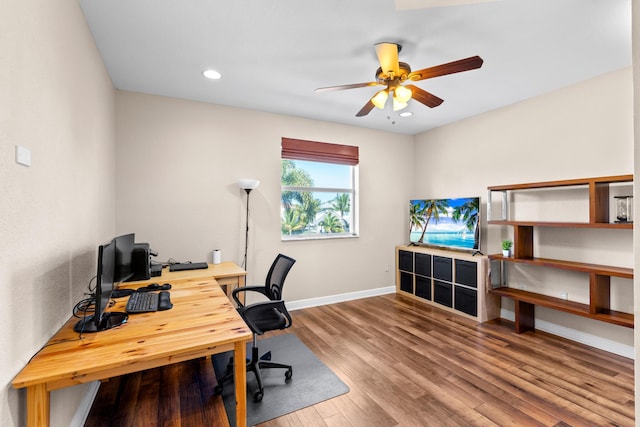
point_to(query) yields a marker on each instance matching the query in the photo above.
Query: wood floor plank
(169, 409)
(148, 399)
(408, 364)
(211, 403)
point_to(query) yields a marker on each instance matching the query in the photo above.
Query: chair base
(255, 364)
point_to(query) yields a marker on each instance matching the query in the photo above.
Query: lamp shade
(380, 98)
(248, 184)
(397, 106)
(402, 94)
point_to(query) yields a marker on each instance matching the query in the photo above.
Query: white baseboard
(332, 299)
(82, 413)
(578, 336)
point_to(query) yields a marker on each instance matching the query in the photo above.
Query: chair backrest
(277, 273)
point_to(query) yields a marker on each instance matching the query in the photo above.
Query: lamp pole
(247, 185)
(246, 234)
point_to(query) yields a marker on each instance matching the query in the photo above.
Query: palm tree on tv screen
(468, 212)
(433, 209)
(416, 215)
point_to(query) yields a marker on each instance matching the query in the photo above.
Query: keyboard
(144, 302)
(188, 266)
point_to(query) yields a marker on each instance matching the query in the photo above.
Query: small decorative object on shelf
(506, 247)
(624, 208)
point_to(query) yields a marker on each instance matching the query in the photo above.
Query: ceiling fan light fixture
(380, 98)
(397, 105)
(402, 94)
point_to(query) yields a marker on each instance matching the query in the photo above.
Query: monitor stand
(110, 319)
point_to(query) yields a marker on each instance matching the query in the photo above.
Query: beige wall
(178, 163)
(585, 130)
(57, 100)
(635, 42)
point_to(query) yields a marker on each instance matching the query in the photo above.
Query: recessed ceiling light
(406, 114)
(212, 74)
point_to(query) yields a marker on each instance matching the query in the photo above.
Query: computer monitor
(124, 255)
(101, 320)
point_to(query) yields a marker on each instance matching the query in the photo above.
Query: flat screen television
(102, 320)
(445, 223)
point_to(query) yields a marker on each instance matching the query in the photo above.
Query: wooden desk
(228, 275)
(202, 322)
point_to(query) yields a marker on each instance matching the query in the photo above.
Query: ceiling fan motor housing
(386, 77)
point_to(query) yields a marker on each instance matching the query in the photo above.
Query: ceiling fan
(393, 74)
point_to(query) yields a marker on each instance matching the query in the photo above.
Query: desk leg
(37, 405)
(240, 380)
(241, 284)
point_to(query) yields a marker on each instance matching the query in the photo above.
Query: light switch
(23, 155)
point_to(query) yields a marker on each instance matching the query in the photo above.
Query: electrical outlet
(564, 295)
(386, 268)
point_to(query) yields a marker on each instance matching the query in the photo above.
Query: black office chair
(261, 317)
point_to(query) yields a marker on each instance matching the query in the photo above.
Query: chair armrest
(261, 306)
(236, 291)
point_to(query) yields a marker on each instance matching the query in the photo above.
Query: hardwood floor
(407, 364)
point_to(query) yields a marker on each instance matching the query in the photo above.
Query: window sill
(319, 237)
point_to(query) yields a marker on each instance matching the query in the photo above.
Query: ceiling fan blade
(458, 66)
(424, 97)
(343, 87)
(388, 58)
(366, 109)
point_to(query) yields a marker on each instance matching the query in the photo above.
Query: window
(318, 190)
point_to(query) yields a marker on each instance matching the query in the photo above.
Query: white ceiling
(273, 54)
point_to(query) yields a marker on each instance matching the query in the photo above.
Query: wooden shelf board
(615, 317)
(543, 300)
(604, 270)
(628, 225)
(564, 183)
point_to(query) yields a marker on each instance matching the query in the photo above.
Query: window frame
(321, 152)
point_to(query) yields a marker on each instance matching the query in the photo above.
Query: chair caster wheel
(288, 374)
(257, 397)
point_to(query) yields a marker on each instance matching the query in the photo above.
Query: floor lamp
(247, 185)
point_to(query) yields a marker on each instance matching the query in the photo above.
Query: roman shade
(299, 149)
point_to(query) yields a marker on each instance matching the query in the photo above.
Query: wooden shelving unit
(524, 253)
(451, 280)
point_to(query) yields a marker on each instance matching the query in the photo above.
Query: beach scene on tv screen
(445, 222)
